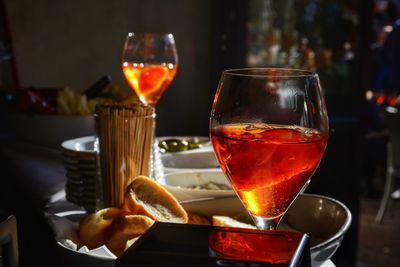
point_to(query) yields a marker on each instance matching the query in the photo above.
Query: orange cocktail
(267, 164)
(149, 81)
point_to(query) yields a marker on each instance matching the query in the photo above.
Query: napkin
(66, 234)
(327, 263)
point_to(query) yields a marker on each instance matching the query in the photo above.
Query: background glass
(149, 63)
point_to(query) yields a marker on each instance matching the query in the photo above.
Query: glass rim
(132, 33)
(280, 72)
(145, 116)
(137, 110)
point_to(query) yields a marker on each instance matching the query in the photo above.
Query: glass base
(266, 223)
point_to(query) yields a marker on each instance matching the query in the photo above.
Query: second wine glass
(149, 63)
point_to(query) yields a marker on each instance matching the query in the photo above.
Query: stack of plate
(82, 171)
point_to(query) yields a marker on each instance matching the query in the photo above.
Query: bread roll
(126, 228)
(147, 197)
(198, 219)
(94, 228)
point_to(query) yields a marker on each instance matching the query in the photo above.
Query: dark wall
(74, 43)
(339, 175)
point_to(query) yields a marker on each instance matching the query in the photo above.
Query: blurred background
(351, 44)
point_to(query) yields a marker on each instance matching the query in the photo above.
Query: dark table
(31, 174)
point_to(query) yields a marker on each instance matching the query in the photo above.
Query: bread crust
(126, 228)
(146, 197)
(145, 202)
(94, 228)
(195, 218)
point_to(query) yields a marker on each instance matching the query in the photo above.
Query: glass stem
(266, 223)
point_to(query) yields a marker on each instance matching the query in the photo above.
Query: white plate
(81, 194)
(83, 173)
(78, 157)
(177, 184)
(78, 145)
(80, 167)
(81, 201)
(85, 184)
(82, 181)
(74, 187)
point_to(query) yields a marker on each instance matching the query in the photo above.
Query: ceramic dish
(89, 195)
(326, 220)
(79, 160)
(83, 181)
(191, 159)
(78, 188)
(78, 145)
(78, 157)
(202, 140)
(80, 166)
(180, 184)
(202, 157)
(84, 173)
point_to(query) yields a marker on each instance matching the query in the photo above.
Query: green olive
(173, 145)
(178, 145)
(192, 145)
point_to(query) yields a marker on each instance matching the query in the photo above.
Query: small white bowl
(201, 158)
(198, 158)
(178, 184)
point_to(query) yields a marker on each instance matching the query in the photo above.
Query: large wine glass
(149, 63)
(269, 130)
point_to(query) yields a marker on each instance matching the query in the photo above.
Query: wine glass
(269, 130)
(149, 63)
